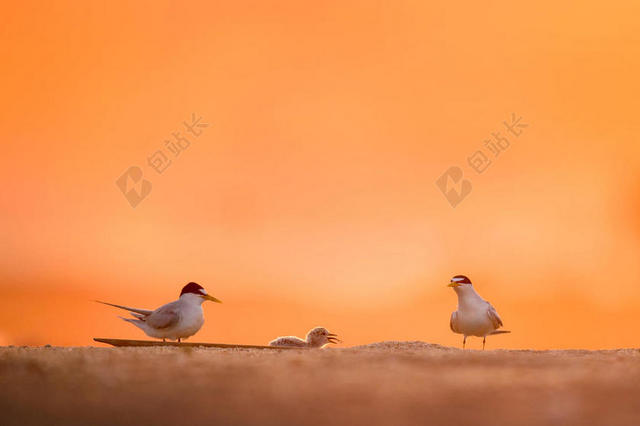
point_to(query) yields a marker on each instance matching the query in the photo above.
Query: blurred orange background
(310, 199)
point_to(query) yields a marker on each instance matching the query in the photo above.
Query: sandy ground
(387, 383)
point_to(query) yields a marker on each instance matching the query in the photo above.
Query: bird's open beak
(333, 338)
(213, 299)
(453, 284)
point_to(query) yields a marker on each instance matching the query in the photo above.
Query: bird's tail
(144, 312)
(499, 332)
(137, 322)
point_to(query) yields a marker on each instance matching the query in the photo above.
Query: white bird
(174, 321)
(475, 316)
(316, 338)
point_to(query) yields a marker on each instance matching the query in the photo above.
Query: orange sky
(310, 199)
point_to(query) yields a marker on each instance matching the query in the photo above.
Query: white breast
(472, 314)
(191, 321)
(474, 322)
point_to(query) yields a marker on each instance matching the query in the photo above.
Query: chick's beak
(333, 338)
(213, 299)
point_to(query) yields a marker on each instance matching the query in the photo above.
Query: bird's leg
(483, 340)
(178, 340)
(464, 341)
(163, 340)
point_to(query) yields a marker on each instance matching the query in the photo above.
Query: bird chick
(316, 338)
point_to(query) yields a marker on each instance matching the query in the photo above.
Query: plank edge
(152, 343)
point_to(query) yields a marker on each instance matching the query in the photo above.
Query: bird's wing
(288, 341)
(494, 317)
(163, 317)
(453, 322)
(144, 312)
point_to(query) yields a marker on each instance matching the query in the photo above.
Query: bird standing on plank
(475, 316)
(176, 320)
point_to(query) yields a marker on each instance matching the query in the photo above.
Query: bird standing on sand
(316, 338)
(475, 316)
(174, 321)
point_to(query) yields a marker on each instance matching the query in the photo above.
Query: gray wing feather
(494, 317)
(126, 308)
(453, 322)
(163, 317)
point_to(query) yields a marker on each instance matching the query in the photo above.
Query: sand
(390, 383)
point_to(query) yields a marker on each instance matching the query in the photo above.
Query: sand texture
(390, 383)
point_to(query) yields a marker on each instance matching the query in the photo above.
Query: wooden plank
(139, 343)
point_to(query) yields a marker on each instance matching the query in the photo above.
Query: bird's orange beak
(208, 297)
(453, 284)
